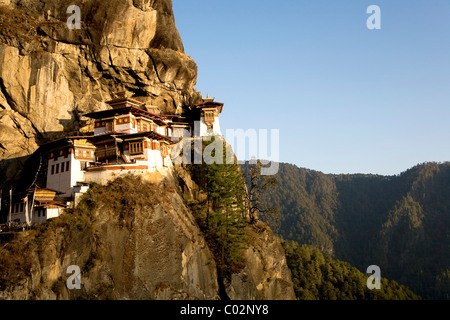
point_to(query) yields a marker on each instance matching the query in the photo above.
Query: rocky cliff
(136, 239)
(51, 75)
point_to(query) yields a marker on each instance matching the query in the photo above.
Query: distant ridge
(401, 223)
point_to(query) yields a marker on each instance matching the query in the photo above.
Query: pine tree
(257, 186)
(226, 211)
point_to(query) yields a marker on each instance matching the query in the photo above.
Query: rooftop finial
(208, 99)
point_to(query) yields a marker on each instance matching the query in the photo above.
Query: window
(136, 147)
(164, 150)
(68, 166)
(53, 169)
(57, 168)
(209, 116)
(62, 167)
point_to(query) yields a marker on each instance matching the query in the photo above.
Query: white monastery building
(128, 137)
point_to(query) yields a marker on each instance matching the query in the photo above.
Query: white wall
(154, 159)
(179, 133)
(204, 128)
(64, 181)
(39, 215)
(201, 130)
(79, 191)
(125, 128)
(77, 175)
(161, 130)
(104, 176)
(60, 181)
(53, 213)
(216, 127)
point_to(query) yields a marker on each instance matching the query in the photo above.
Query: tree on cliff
(257, 184)
(227, 221)
(224, 217)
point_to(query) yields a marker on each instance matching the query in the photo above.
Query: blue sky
(346, 99)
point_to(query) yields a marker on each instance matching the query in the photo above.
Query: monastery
(128, 137)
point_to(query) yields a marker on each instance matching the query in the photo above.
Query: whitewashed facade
(208, 118)
(67, 163)
(35, 206)
(129, 137)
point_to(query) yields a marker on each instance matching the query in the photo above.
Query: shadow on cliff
(16, 174)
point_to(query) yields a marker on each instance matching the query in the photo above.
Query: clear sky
(346, 99)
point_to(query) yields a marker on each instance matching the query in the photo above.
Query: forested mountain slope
(401, 223)
(317, 276)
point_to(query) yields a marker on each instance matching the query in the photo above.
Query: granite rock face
(266, 275)
(150, 252)
(50, 75)
(154, 250)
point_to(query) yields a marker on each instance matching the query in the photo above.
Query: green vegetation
(400, 223)
(307, 202)
(76, 230)
(115, 196)
(257, 184)
(319, 277)
(62, 231)
(222, 214)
